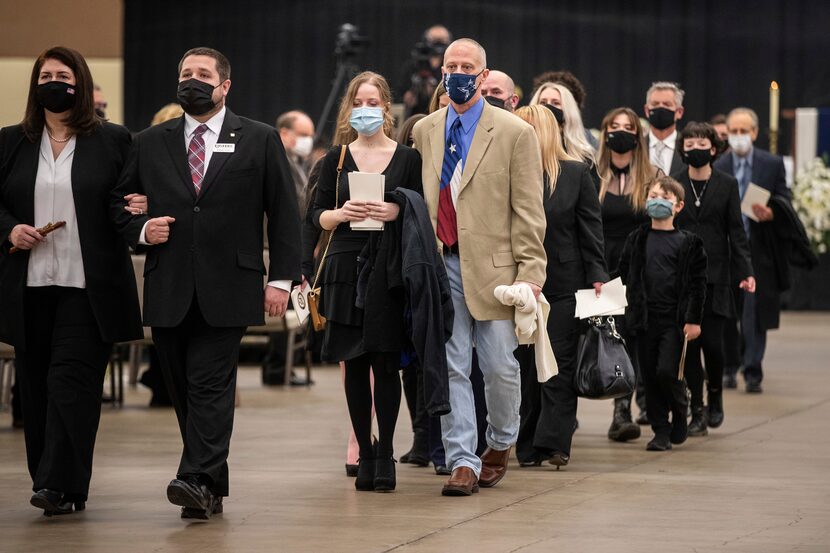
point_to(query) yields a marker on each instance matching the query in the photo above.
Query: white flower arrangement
(811, 199)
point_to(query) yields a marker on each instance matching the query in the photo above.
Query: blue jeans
(495, 342)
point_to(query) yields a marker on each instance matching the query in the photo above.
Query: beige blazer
(500, 213)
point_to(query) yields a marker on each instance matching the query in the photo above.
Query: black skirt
(343, 337)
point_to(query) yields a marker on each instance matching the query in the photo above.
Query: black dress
(343, 338)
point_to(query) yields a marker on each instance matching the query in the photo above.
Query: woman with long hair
(573, 243)
(562, 104)
(626, 174)
(65, 297)
(364, 127)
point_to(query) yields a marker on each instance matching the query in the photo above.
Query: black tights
(711, 342)
(387, 400)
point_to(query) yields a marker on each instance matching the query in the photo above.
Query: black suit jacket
(110, 282)
(216, 243)
(677, 164)
(718, 223)
(766, 239)
(573, 238)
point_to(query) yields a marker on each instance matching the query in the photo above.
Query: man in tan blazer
(482, 177)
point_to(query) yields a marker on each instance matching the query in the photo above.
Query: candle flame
(774, 85)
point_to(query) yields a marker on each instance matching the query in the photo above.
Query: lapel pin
(233, 134)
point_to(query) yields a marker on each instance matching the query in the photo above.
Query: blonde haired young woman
(365, 126)
(573, 244)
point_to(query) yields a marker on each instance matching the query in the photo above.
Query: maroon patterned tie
(196, 157)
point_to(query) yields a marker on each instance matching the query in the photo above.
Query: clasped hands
(358, 210)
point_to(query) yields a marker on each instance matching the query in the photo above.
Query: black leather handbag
(604, 369)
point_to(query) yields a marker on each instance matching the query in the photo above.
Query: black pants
(732, 339)
(556, 419)
(61, 376)
(199, 363)
(661, 346)
(387, 399)
(711, 343)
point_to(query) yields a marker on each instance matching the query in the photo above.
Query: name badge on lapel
(227, 148)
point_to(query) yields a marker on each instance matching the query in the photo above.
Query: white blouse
(57, 260)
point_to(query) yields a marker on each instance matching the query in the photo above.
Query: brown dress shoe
(493, 467)
(462, 482)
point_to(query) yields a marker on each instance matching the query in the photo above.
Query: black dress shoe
(753, 387)
(217, 509)
(659, 443)
(442, 470)
(351, 470)
(730, 381)
(191, 493)
(365, 481)
(53, 503)
(405, 457)
(384, 474)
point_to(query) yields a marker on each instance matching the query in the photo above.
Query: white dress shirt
(210, 137)
(56, 261)
(661, 152)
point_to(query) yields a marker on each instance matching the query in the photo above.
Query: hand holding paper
(754, 195)
(610, 302)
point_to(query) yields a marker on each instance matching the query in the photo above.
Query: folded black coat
(774, 248)
(402, 272)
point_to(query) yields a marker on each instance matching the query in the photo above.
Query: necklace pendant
(697, 203)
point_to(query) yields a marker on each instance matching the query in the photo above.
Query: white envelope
(754, 195)
(299, 300)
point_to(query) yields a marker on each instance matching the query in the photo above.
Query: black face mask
(621, 141)
(56, 96)
(499, 103)
(697, 158)
(661, 118)
(558, 113)
(195, 96)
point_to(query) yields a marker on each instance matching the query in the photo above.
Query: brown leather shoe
(462, 482)
(493, 467)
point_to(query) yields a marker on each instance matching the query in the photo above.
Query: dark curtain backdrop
(724, 53)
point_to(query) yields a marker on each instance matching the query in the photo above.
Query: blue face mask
(461, 86)
(366, 120)
(659, 208)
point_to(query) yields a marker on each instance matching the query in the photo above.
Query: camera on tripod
(349, 41)
(424, 52)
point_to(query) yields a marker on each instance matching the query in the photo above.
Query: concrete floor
(760, 483)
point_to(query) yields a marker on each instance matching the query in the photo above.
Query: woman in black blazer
(713, 212)
(67, 297)
(576, 259)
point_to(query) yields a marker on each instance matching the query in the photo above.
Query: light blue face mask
(366, 120)
(659, 208)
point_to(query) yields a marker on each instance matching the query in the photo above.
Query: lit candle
(773, 106)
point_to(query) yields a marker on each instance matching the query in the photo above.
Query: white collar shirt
(56, 261)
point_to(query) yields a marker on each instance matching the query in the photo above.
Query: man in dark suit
(761, 311)
(664, 108)
(209, 176)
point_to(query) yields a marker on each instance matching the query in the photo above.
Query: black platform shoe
(698, 425)
(622, 427)
(714, 415)
(365, 481)
(384, 474)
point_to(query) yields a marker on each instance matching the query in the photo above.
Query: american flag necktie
(450, 181)
(196, 157)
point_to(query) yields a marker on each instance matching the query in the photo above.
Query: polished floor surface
(760, 483)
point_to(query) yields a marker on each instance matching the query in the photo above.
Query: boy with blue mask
(664, 270)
